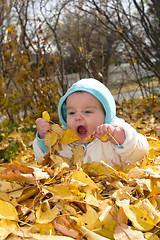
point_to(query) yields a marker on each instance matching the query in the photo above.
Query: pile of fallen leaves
(58, 200)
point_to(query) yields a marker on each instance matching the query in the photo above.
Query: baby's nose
(79, 116)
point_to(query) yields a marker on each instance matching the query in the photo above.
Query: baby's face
(84, 113)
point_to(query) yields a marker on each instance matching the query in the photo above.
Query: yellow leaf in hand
(45, 116)
(69, 137)
(89, 138)
(50, 138)
(58, 130)
(104, 138)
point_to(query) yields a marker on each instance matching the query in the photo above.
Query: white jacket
(134, 148)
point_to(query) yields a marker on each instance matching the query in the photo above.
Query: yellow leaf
(108, 228)
(7, 227)
(46, 229)
(58, 130)
(105, 137)
(120, 30)
(9, 186)
(132, 61)
(44, 217)
(121, 217)
(78, 154)
(8, 211)
(89, 218)
(154, 192)
(50, 138)
(89, 138)
(15, 135)
(142, 214)
(80, 49)
(74, 189)
(57, 159)
(84, 178)
(151, 236)
(118, 174)
(28, 192)
(108, 221)
(62, 192)
(92, 199)
(45, 116)
(49, 237)
(137, 123)
(92, 235)
(4, 144)
(94, 169)
(69, 137)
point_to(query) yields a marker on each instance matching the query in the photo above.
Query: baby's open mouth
(82, 131)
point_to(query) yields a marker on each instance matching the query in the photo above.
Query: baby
(88, 108)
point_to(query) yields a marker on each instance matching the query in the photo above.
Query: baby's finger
(38, 120)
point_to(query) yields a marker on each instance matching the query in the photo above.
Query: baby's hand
(116, 134)
(104, 129)
(42, 127)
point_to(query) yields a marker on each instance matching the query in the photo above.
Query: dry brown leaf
(66, 226)
(19, 172)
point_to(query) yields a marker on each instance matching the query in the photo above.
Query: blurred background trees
(43, 42)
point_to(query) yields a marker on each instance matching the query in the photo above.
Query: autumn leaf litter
(59, 200)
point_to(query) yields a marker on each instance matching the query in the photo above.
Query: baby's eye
(71, 113)
(87, 111)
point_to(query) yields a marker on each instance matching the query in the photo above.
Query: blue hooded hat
(98, 90)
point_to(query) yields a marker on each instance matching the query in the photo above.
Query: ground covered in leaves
(57, 200)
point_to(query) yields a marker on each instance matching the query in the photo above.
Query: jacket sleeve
(135, 146)
(37, 151)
